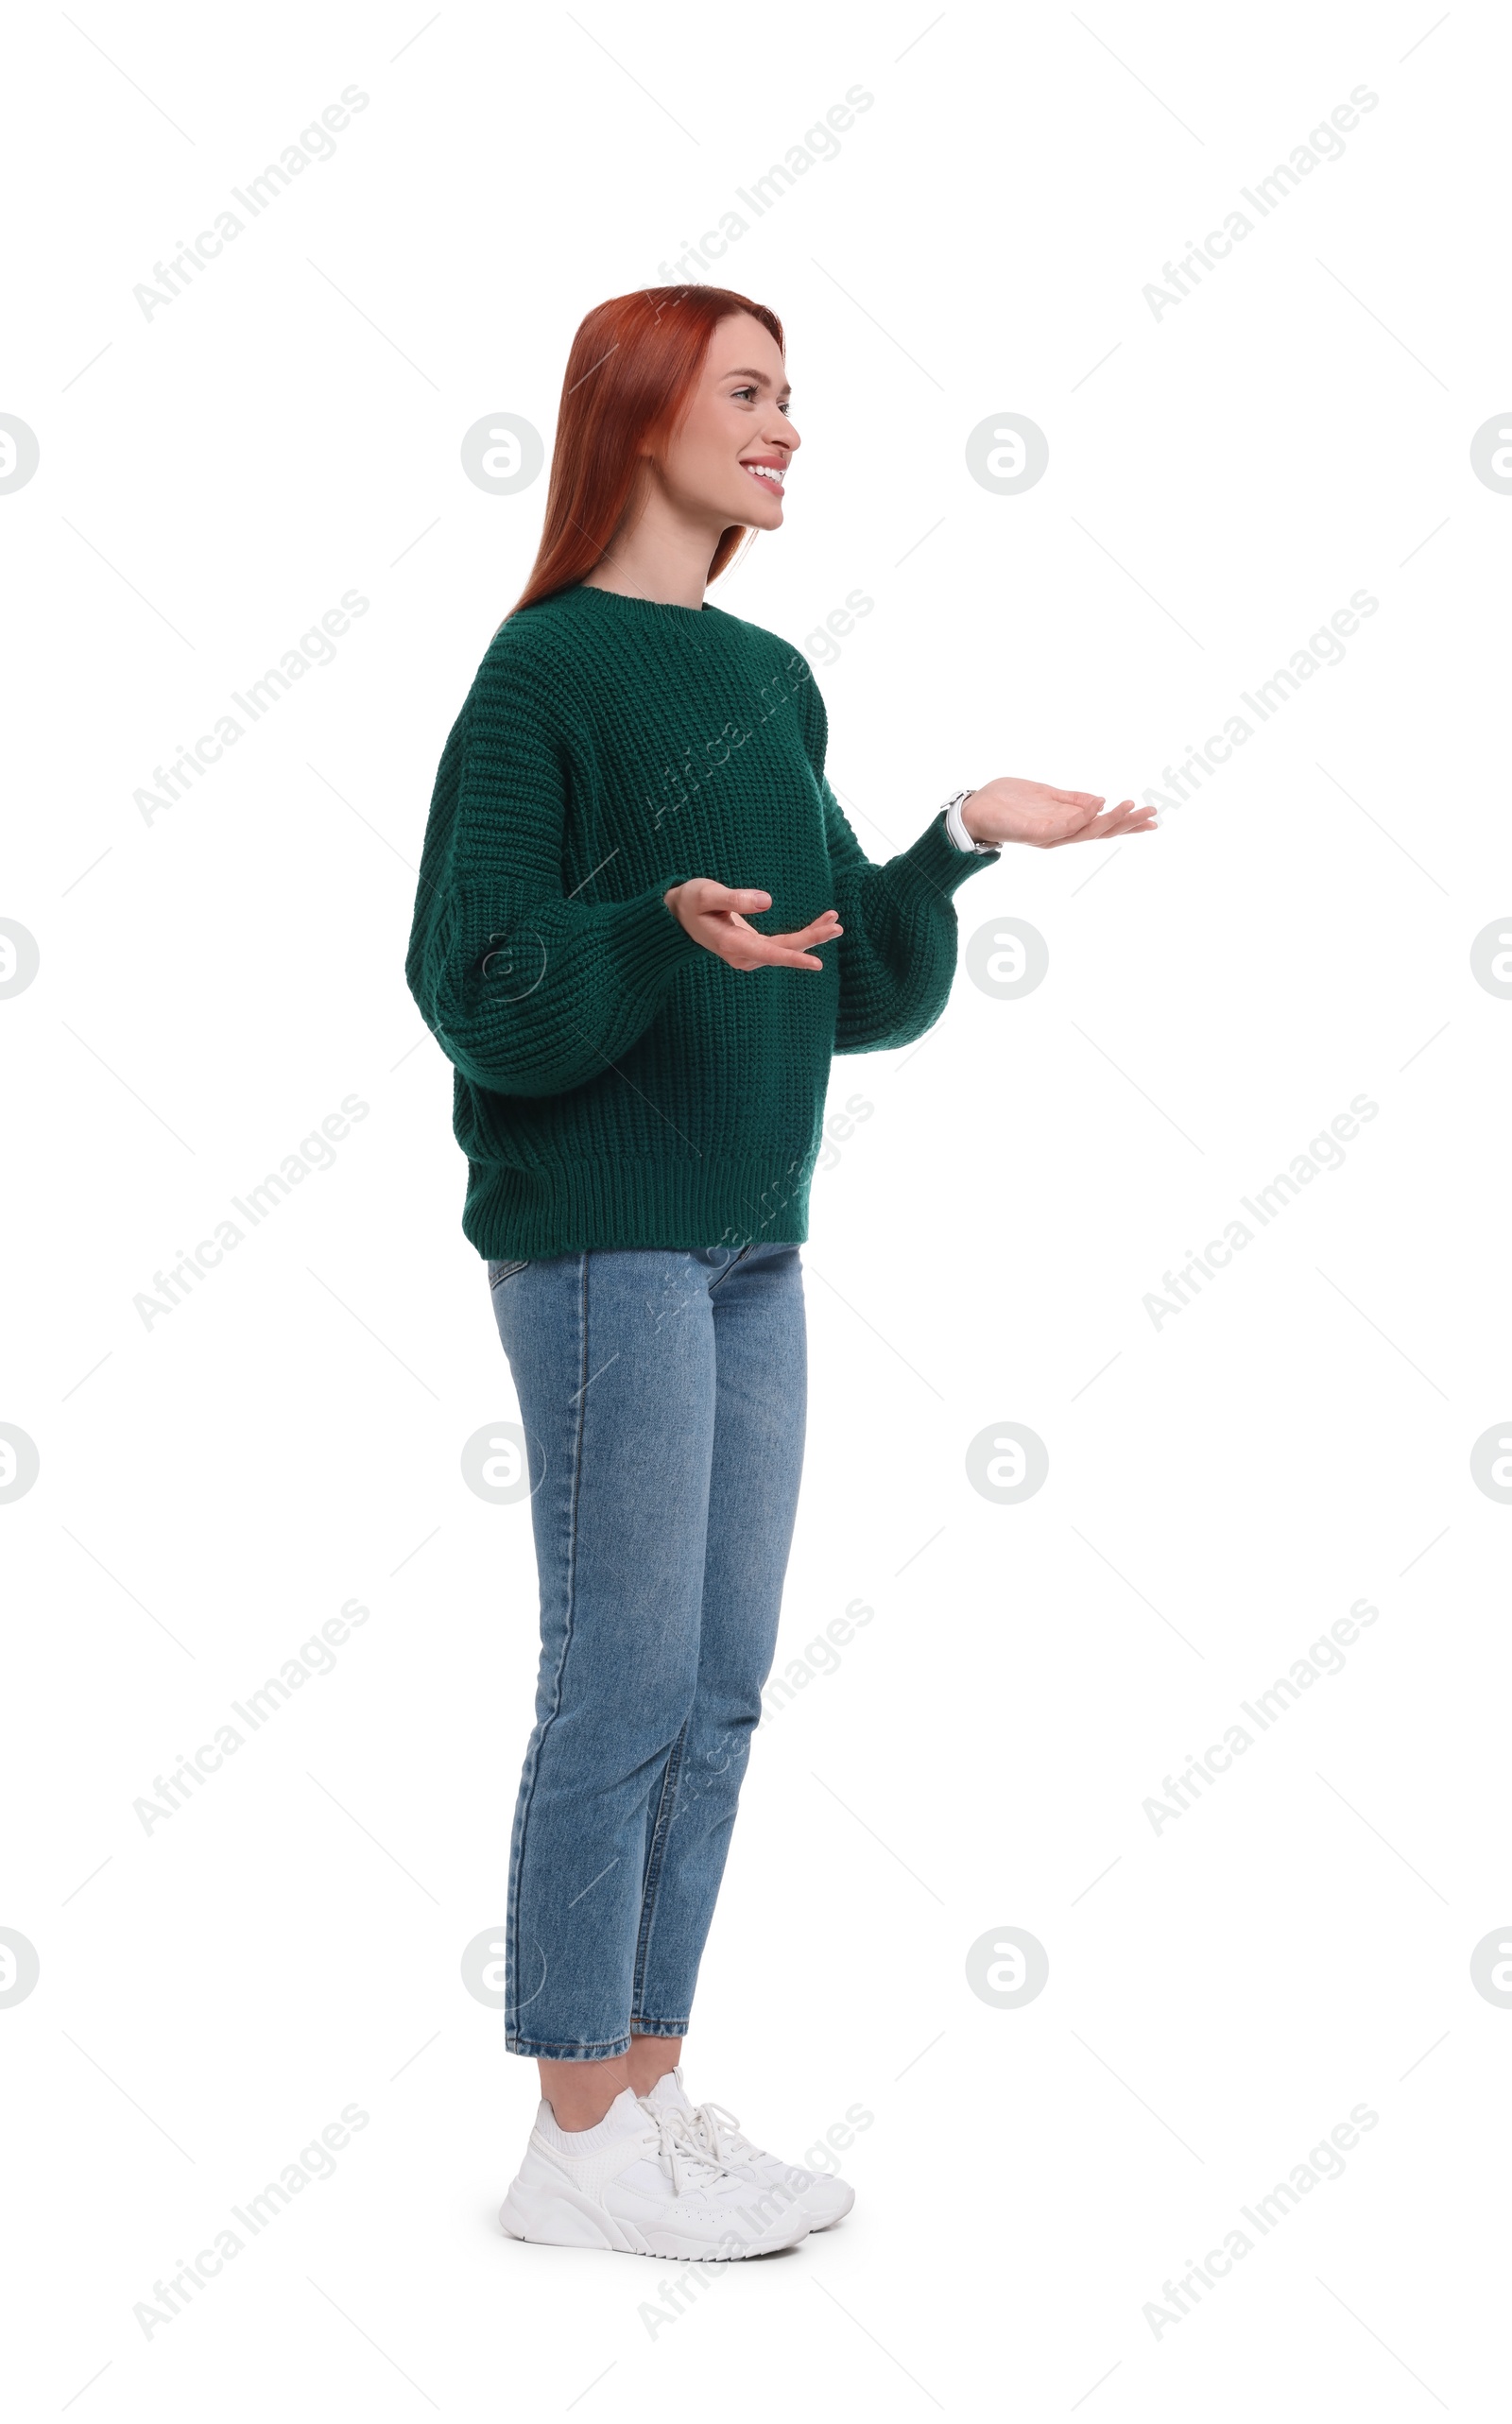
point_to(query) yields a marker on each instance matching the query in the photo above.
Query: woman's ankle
(649, 2059)
(580, 2094)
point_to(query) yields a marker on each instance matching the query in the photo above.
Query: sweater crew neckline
(641, 609)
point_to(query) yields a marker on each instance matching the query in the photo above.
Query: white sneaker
(820, 2195)
(640, 2183)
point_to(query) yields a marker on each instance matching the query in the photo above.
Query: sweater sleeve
(527, 990)
(898, 946)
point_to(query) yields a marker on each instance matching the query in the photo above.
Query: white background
(1221, 1488)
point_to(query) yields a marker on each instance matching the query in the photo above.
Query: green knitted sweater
(616, 1083)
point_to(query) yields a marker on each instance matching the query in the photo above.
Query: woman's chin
(764, 510)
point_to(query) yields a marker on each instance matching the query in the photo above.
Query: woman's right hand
(710, 912)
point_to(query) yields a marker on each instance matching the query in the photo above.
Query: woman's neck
(662, 556)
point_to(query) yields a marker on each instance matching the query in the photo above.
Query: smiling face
(728, 458)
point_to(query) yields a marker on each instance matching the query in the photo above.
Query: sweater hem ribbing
(670, 1206)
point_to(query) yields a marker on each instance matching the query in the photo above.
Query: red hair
(630, 379)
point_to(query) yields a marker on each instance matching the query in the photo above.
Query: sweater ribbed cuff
(648, 938)
(934, 861)
(640, 938)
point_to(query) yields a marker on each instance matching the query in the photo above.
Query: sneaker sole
(563, 2218)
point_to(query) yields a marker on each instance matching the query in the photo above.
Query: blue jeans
(662, 1396)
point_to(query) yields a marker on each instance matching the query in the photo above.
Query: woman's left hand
(1011, 810)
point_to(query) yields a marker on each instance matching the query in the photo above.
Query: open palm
(1009, 809)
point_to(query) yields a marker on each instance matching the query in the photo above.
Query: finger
(823, 930)
(766, 950)
(1077, 798)
(1128, 820)
(729, 899)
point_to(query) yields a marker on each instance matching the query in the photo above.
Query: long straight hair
(630, 379)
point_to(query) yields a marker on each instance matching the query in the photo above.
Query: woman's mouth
(771, 473)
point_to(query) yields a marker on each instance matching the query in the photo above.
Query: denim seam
(730, 1266)
(527, 1797)
(664, 1807)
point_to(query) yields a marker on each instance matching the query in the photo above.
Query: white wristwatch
(955, 827)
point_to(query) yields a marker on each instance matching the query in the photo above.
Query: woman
(635, 778)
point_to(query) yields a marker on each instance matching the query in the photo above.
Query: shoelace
(681, 2147)
(715, 2129)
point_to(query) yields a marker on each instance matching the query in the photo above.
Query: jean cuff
(541, 2051)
